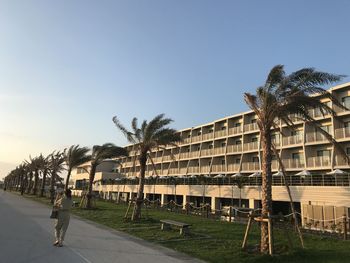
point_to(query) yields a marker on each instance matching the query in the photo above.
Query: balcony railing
(319, 161)
(167, 158)
(340, 161)
(208, 136)
(206, 152)
(197, 138)
(250, 166)
(251, 127)
(342, 133)
(315, 137)
(234, 167)
(183, 170)
(217, 168)
(220, 133)
(234, 148)
(235, 130)
(292, 140)
(194, 154)
(173, 171)
(186, 140)
(219, 150)
(250, 146)
(184, 155)
(293, 163)
(205, 169)
(193, 169)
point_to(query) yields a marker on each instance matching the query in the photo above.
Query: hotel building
(232, 145)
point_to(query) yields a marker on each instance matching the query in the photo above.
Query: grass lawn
(213, 241)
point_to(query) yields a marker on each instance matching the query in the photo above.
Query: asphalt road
(26, 236)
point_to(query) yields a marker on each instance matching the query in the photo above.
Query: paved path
(26, 236)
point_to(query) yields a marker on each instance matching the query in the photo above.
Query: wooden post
(247, 230)
(230, 214)
(207, 210)
(269, 225)
(345, 227)
(187, 208)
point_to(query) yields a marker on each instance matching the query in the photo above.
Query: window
(255, 159)
(323, 153)
(347, 124)
(237, 161)
(199, 133)
(198, 148)
(189, 136)
(223, 144)
(238, 142)
(237, 124)
(223, 128)
(210, 146)
(209, 163)
(295, 133)
(346, 101)
(348, 150)
(326, 128)
(223, 162)
(296, 156)
(254, 139)
(253, 121)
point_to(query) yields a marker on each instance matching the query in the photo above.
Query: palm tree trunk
(23, 183)
(139, 199)
(266, 198)
(52, 186)
(68, 177)
(43, 184)
(91, 181)
(29, 186)
(36, 180)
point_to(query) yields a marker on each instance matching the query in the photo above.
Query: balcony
(205, 169)
(221, 133)
(219, 150)
(250, 146)
(217, 168)
(186, 140)
(184, 155)
(340, 161)
(234, 148)
(292, 140)
(167, 158)
(251, 127)
(235, 130)
(250, 166)
(319, 161)
(315, 137)
(234, 167)
(194, 154)
(197, 138)
(208, 136)
(193, 169)
(207, 152)
(173, 171)
(293, 163)
(342, 133)
(183, 170)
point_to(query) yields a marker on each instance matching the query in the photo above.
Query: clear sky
(67, 67)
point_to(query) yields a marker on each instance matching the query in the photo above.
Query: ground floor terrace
(321, 202)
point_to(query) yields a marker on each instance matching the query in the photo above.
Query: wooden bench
(184, 227)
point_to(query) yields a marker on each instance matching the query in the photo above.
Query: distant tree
(98, 155)
(75, 156)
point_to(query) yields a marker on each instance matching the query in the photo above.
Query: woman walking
(63, 204)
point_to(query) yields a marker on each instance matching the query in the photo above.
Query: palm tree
(99, 154)
(280, 97)
(56, 165)
(74, 157)
(44, 170)
(151, 135)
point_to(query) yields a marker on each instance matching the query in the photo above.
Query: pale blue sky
(67, 67)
